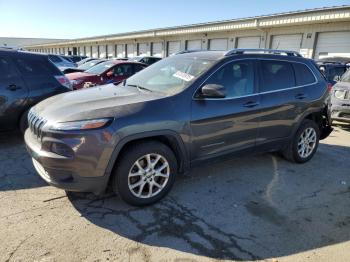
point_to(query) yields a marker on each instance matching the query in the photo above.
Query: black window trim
(256, 80)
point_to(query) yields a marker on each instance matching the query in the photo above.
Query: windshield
(88, 65)
(346, 77)
(170, 75)
(100, 68)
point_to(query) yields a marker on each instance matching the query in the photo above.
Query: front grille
(35, 123)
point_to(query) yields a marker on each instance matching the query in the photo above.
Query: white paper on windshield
(184, 76)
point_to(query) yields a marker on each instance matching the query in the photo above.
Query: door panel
(229, 124)
(13, 94)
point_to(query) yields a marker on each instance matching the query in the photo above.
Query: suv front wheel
(145, 173)
(304, 143)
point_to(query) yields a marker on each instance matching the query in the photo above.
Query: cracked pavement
(248, 208)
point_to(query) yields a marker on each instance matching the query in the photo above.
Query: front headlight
(81, 125)
(340, 94)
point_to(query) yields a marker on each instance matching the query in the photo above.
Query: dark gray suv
(181, 111)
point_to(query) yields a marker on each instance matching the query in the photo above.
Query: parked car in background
(84, 67)
(76, 58)
(83, 61)
(61, 62)
(340, 99)
(148, 60)
(184, 110)
(332, 70)
(26, 79)
(111, 71)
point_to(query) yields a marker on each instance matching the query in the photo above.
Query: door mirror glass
(213, 91)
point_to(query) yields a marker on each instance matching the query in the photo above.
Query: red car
(112, 71)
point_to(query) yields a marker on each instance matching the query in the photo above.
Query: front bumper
(341, 113)
(73, 173)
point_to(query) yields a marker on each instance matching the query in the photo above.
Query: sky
(85, 18)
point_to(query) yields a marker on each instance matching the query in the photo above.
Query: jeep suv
(26, 79)
(181, 111)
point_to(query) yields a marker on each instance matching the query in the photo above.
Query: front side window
(171, 75)
(276, 75)
(236, 77)
(123, 70)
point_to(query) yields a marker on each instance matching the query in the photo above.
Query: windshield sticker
(184, 76)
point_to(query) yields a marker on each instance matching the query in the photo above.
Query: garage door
(248, 42)
(143, 49)
(333, 44)
(103, 51)
(130, 50)
(218, 44)
(110, 51)
(287, 42)
(82, 50)
(194, 45)
(120, 51)
(157, 49)
(95, 51)
(173, 47)
(88, 51)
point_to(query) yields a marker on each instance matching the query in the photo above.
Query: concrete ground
(251, 208)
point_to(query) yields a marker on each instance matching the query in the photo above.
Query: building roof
(299, 17)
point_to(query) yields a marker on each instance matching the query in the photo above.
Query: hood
(90, 103)
(342, 85)
(78, 75)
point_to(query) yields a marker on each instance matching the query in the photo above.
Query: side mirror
(110, 74)
(337, 78)
(213, 91)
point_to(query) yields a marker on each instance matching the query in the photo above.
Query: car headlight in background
(81, 125)
(340, 94)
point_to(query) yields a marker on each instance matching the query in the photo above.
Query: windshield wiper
(140, 87)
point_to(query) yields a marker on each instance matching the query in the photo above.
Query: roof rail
(189, 51)
(266, 51)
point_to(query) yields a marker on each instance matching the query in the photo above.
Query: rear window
(32, 65)
(54, 59)
(276, 75)
(303, 74)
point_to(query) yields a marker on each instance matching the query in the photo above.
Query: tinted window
(123, 70)
(138, 68)
(236, 77)
(35, 66)
(303, 74)
(276, 75)
(7, 69)
(336, 71)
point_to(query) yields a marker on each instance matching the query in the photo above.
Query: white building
(19, 42)
(314, 33)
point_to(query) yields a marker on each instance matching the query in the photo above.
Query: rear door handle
(251, 104)
(300, 96)
(13, 87)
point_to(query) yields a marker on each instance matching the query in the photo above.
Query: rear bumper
(66, 173)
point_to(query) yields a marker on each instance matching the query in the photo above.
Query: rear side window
(31, 66)
(276, 75)
(303, 75)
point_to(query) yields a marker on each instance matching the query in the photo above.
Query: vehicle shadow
(244, 209)
(16, 168)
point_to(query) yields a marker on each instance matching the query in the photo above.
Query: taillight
(64, 81)
(329, 87)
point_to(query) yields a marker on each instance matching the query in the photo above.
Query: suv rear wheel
(145, 173)
(304, 144)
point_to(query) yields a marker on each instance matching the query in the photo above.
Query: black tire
(23, 122)
(291, 152)
(125, 163)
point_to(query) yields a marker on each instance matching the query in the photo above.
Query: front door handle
(300, 96)
(13, 87)
(251, 104)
